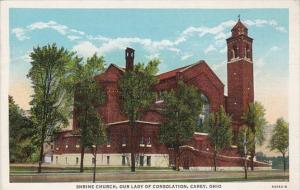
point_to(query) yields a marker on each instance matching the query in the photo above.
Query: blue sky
(177, 37)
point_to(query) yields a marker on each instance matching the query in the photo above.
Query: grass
(143, 174)
(18, 169)
(225, 179)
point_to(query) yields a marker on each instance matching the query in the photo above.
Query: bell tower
(239, 73)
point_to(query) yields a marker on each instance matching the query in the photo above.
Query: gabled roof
(170, 74)
(165, 75)
(101, 75)
(173, 73)
(116, 66)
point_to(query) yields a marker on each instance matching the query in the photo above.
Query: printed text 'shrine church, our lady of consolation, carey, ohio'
(197, 153)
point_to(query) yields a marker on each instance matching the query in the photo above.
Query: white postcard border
(294, 42)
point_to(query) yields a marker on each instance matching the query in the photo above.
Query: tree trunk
(81, 158)
(41, 155)
(177, 158)
(284, 166)
(215, 160)
(252, 158)
(132, 151)
(246, 167)
(252, 153)
(95, 158)
(245, 155)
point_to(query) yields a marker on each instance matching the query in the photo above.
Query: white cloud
(117, 43)
(77, 31)
(262, 23)
(280, 29)
(20, 34)
(210, 48)
(98, 37)
(86, 49)
(186, 56)
(152, 56)
(218, 66)
(73, 37)
(72, 34)
(220, 36)
(201, 31)
(275, 48)
(105, 44)
(62, 29)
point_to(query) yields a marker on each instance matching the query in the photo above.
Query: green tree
(182, 107)
(254, 119)
(88, 96)
(137, 95)
(280, 139)
(20, 133)
(219, 131)
(49, 100)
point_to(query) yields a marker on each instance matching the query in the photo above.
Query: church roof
(173, 73)
(165, 75)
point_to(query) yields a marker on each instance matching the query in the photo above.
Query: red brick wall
(240, 88)
(239, 75)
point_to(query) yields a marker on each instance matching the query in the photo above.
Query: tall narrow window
(148, 140)
(123, 160)
(142, 140)
(235, 50)
(204, 112)
(148, 160)
(124, 140)
(108, 138)
(141, 160)
(107, 160)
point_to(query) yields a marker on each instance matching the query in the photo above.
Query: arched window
(235, 51)
(205, 110)
(248, 52)
(232, 54)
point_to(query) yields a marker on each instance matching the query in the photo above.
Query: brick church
(197, 153)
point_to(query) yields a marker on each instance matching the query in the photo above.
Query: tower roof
(239, 28)
(239, 24)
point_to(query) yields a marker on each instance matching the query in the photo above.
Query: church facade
(197, 153)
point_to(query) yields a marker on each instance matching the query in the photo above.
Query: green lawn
(143, 174)
(226, 179)
(17, 169)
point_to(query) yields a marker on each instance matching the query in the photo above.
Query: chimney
(129, 56)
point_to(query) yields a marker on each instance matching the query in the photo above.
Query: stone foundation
(153, 160)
